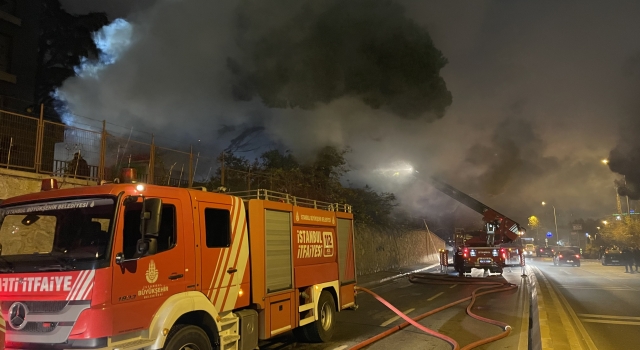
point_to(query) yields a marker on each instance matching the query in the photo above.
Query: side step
(229, 335)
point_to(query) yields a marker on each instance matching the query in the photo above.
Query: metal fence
(34, 144)
(93, 152)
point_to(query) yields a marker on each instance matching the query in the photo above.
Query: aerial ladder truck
(494, 247)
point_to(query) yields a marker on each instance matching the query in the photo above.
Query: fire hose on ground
(493, 287)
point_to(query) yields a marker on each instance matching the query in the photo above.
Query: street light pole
(555, 220)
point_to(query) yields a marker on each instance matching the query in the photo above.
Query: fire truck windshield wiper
(9, 266)
(63, 263)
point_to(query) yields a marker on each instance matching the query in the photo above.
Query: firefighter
(636, 257)
(627, 260)
(78, 166)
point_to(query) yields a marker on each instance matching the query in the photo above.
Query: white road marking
(393, 319)
(628, 323)
(341, 347)
(610, 316)
(453, 286)
(595, 287)
(435, 296)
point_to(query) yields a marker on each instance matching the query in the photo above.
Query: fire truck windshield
(64, 230)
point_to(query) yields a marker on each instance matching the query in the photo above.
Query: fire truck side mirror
(152, 215)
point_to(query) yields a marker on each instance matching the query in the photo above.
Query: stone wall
(379, 250)
(14, 183)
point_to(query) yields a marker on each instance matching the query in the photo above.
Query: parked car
(612, 256)
(544, 251)
(566, 256)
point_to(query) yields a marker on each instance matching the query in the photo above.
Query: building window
(5, 53)
(218, 228)
(8, 6)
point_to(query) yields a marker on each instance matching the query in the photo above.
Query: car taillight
(559, 256)
(465, 253)
(578, 256)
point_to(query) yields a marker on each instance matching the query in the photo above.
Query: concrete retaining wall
(15, 183)
(379, 250)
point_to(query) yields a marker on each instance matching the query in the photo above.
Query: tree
(622, 232)
(535, 224)
(318, 179)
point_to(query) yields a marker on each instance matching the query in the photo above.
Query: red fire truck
(134, 266)
(494, 247)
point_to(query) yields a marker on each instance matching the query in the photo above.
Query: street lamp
(555, 220)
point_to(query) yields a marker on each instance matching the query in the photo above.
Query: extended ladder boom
(505, 229)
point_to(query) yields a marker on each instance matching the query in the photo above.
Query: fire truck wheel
(187, 337)
(321, 330)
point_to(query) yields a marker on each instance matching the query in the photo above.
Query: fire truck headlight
(473, 252)
(495, 252)
(140, 188)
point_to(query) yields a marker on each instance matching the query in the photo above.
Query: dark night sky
(541, 91)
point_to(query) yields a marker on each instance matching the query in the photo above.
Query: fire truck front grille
(39, 307)
(39, 327)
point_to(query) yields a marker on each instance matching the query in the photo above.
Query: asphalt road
(602, 302)
(414, 299)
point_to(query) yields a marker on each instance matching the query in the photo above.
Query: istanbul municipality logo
(152, 272)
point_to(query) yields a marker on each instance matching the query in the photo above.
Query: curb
(535, 338)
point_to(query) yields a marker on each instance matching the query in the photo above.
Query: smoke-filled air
(493, 97)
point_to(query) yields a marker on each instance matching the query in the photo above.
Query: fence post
(152, 161)
(39, 141)
(190, 168)
(103, 151)
(249, 180)
(222, 171)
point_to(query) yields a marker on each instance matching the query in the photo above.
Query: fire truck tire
(187, 337)
(321, 330)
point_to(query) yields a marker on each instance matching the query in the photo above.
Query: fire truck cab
(135, 266)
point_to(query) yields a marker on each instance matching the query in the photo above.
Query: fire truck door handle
(176, 276)
(231, 270)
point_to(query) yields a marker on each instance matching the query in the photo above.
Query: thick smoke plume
(540, 90)
(624, 159)
(316, 52)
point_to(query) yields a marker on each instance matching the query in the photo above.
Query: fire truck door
(141, 286)
(225, 253)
